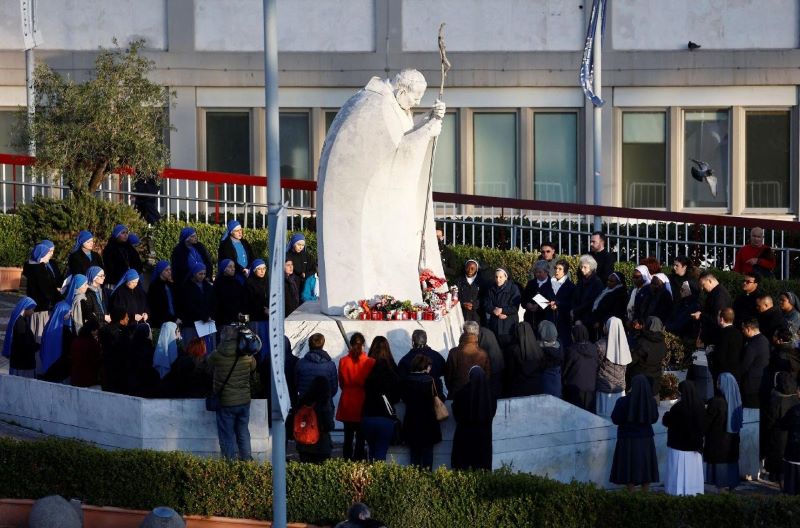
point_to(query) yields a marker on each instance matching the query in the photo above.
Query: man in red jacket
(755, 256)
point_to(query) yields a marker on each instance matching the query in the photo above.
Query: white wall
(499, 25)
(303, 25)
(87, 24)
(714, 24)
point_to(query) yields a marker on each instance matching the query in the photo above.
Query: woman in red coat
(353, 371)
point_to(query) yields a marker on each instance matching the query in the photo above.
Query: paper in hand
(204, 328)
(541, 300)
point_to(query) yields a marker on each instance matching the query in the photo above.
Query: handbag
(397, 432)
(214, 402)
(439, 408)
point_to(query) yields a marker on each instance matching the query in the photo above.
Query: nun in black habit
(635, 460)
(228, 294)
(473, 410)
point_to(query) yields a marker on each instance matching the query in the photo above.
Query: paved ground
(9, 430)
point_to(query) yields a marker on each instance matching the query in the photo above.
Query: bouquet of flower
(431, 282)
(352, 310)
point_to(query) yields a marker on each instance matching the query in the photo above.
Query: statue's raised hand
(438, 109)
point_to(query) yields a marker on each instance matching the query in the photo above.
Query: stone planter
(14, 513)
(10, 278)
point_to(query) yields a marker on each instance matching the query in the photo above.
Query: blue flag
(587, 64)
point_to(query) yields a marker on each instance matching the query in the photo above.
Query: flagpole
(597, 121)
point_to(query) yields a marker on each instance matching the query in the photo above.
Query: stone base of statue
(308, 319)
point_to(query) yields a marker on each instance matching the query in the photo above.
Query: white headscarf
(645, 274)
(617, 349)
(665, 280)
(646, 277)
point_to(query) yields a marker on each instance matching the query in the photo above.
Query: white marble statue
(373, 181)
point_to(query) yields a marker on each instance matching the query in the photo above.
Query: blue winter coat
(315, 363)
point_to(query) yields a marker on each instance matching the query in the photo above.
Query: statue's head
(409, 87)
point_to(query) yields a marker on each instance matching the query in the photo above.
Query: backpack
(306, 427)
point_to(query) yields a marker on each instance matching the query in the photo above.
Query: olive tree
(88, 130)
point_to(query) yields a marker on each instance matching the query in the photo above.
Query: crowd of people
(598, 343)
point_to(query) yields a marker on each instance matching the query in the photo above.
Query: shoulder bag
(439, 408)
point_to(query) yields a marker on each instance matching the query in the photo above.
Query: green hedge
(399, 495)
(14, 249)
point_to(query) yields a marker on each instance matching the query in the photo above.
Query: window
(706, 138)
(445, 167)
(8, 120)
(329, 117)
(767, 159)
(228, 150)
(555, 162)
(495, 152)
(644, 159)
(294, 138)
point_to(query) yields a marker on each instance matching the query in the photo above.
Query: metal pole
(30, 97)
(274, 204)
(597, 121)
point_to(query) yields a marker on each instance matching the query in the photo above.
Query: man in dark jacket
(770, 318)
(419, 345)
(233, 417)
(755, 359)
(605, 260)
(717, 298)
(727, 354)
(315, 363)
(448, 257)
(744, 306)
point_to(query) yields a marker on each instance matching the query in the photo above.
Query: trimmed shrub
(61, 220)
(14, 250)
(321, 494)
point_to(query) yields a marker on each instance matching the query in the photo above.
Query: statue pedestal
(307, 320)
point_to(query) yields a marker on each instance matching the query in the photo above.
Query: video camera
(247, 343)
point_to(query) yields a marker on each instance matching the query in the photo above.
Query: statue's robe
(373, 181)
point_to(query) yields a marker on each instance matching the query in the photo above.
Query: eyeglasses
(748, 281)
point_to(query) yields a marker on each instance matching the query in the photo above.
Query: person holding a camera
(234, 368)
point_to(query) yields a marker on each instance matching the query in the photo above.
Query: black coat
(506, 297)
(291, 294)
(524, 359)
(755, 359)
(256, 297)
(115, 341)
(533, 312)
(180, 262)
(381, 381)
(43, 285)
(119, 257)
(488, 342)
(437, 366)
(23, 346)
(770, 321)
(580, 368)
(646, 358)
(471, 293)
(188, 377)
(562, 316)
(613, 304)
(304, 266)
(586, 291)
(676, 281)
(721, 447)
(658, 303)
(683, 433)
(605, 263)
(779, 406)
(727, 355)
(449, 262)
(744, 307)
(791, 423)
(95, 306)
(681, 323)
(716, 300)
(134, 301)
(420, 427)
(229, 297)
(158, 304)
(227, 251)
(196, 302)
(78, 263)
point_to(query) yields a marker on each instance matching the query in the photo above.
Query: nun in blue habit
(187, 253)
(43, 284)
(82, 255)
(19, 345)
(130, 296)
(234, 247)
(64, 324)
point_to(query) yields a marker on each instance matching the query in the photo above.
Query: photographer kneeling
(234, 367)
